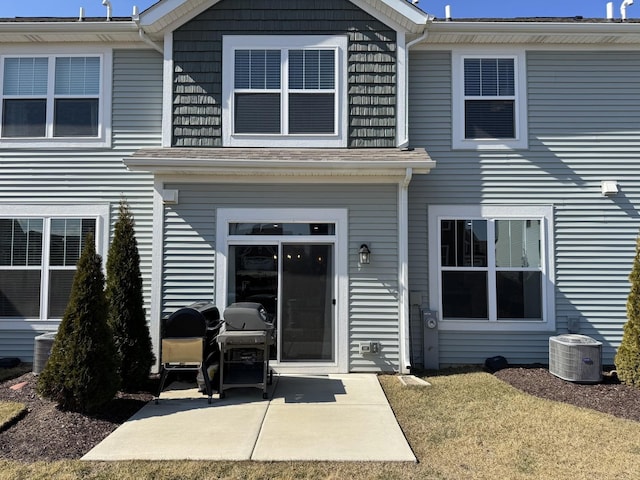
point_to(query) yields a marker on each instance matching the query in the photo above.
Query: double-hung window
(284, 91)
(489, 101)
(38, 257)
(53, 100)
(491, 267)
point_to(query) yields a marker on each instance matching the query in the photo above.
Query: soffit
(533, 31)
(67, 30)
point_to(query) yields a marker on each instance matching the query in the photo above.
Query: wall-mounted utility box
(369, 347)
(431, 342)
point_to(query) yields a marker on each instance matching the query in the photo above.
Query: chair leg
(163, 378)
(207, 382)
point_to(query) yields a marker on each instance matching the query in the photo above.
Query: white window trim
(103, 140)
(521, 140)
(544, 213)
(225, 216)
(230, 43)
(48, 212)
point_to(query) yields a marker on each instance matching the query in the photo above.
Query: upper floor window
(54, 99)
(489, 101)
(284, 91)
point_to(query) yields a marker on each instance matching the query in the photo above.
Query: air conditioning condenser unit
(576, 358)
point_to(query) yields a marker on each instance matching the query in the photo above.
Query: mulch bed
(48, 433)
(610, 396)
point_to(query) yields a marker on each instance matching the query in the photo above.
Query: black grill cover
(191, 321)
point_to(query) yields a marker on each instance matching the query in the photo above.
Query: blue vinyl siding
(584, 112)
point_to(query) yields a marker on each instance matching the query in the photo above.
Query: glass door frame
(339, 240)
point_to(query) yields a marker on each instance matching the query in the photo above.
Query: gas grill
(244, 341)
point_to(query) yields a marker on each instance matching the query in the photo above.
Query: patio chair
(184, 346)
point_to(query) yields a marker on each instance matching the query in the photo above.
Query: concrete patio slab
(338, 417)
(322, 417)
(332, 433)
(349, 389)
(183, 426)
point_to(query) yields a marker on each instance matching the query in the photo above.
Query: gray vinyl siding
(95, 176)
(197, 53)
(584, 112)
(189, 252)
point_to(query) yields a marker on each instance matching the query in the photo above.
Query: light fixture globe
(364, 254)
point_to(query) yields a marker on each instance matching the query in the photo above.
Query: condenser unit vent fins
(576, 358)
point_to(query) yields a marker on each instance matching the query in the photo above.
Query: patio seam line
(264, 416)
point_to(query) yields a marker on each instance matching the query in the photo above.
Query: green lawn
(465, 426)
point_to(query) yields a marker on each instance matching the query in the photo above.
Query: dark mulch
(48, 433)
(610, 396)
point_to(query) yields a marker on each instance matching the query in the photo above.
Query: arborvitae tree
(127, 316)
(81, 373)
(628, 356)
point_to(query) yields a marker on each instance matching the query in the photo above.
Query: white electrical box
(369, 347)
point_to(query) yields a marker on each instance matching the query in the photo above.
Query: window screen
(72, 102)
(260, 84)
(25, 274)
(489, 89)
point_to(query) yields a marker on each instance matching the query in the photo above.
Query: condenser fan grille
(576, 358)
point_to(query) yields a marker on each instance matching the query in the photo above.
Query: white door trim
(339, 217)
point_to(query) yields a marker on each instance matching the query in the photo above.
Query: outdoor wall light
(609, 187)
(365, 254)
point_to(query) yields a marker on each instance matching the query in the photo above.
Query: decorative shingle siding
(197, 53)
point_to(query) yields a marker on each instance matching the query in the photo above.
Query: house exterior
(262, 145)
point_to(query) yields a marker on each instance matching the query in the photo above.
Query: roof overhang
(590, 32)
(167, 15)
(281, 162)
(68, 31)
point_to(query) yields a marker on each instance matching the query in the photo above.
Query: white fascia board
(68, 27)
(340, 167)
(176, 12)
(172, 13)
(62, 32)
(408, 10)
(534, 27)
(392, 17)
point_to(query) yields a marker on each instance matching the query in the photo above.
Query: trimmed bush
(628, 356)
(127, 316)
(81, 373)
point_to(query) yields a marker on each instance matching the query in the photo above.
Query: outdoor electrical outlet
(369, 347)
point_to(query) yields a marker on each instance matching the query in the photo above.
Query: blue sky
(459, 8)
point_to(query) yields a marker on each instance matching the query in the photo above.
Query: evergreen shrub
(81, 373)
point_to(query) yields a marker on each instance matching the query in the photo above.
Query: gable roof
(166, 15)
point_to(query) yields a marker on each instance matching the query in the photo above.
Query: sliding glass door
(295, 283)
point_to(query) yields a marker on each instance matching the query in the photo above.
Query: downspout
(405, 141)
(403, 225)
(141, 33)
(403, 274)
